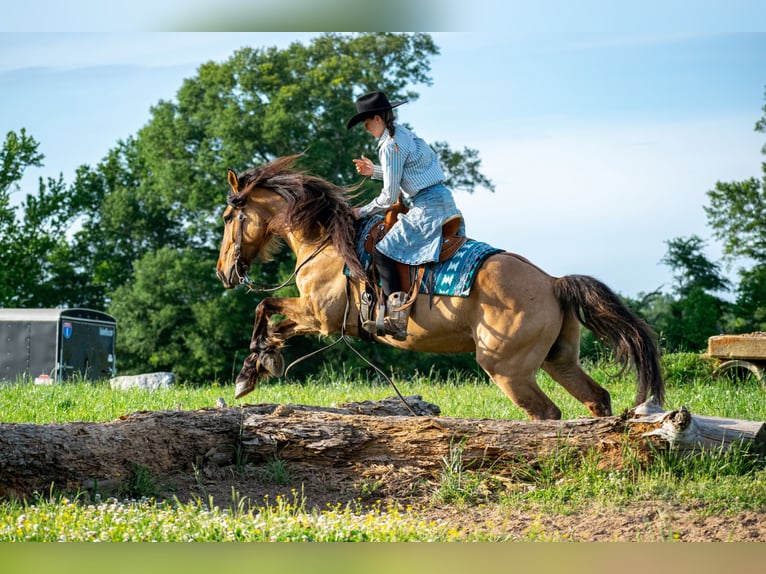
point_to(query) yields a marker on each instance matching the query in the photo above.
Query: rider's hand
(364, 166)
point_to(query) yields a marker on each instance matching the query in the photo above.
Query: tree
(172, 317)
(737, 212)
(36, 263)
(156, 198)
(749, 310)
(697, 313)
(692, 270)
(18, 152)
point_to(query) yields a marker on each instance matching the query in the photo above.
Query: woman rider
(410, 167)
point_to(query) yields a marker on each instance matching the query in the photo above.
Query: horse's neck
(303, 245)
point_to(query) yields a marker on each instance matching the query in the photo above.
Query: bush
(685, 368)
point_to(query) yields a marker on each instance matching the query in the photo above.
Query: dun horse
(517, 318)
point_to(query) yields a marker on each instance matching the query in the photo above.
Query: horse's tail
(603, 312)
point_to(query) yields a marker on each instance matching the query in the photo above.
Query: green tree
(697, 313)
(163, 190)
(18, 152)
(173, 318)
(737, 212)
(748, 313)
(691, 268)
(36, 264)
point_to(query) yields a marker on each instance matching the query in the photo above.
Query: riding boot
(396, 321)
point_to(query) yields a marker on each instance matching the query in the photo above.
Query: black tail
(603, 312)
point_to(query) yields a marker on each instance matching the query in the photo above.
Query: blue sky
(601, 133)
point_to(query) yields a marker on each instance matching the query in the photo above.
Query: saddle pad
(452, 278)
(455, 276)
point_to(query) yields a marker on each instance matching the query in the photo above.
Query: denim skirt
(416, 237)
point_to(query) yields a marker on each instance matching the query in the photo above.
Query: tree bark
(74, 456)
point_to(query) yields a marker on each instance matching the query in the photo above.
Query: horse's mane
(311, 201)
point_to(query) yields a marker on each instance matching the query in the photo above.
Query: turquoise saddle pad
(452, 278)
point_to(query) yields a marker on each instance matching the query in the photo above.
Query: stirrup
(396, 322)
(376, 326)
(365, 306)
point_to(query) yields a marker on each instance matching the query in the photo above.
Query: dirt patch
(322, 488)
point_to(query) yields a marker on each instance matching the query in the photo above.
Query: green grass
(469, 395)
(563, 484)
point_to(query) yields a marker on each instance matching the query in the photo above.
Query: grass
(562, 484)
(470, 395)
(146, 520)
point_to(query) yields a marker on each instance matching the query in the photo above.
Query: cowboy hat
(369, 105)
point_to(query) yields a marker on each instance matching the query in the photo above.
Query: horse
(516, 320)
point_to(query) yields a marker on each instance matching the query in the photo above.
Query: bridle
(244, 278)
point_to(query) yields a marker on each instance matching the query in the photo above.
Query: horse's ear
(233, 181)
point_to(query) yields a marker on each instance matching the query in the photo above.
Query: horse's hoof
(242, 388)
(273, 363)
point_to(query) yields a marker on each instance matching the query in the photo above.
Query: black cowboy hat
(369, 105)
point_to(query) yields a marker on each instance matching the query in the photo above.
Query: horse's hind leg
(514, 374)
(563, 365)
(527, 395)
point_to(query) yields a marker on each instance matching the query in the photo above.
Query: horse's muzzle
(227, 279)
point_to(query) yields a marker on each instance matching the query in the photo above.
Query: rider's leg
(389, 276)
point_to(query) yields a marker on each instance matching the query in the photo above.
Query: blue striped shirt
(407, 163)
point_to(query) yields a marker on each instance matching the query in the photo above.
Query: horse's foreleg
(263, 346)
(265, 358)
(268, 348)
(254, 368)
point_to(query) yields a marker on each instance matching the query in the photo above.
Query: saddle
(411, 275)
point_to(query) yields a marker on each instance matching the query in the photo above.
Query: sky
(601, 129)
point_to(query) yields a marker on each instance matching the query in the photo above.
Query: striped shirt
(407, 163)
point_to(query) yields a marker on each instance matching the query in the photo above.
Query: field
(711, 497)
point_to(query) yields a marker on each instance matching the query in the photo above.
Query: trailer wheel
(738, 369)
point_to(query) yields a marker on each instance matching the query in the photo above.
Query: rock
(148, 381)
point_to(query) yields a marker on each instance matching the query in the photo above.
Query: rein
(245, 279)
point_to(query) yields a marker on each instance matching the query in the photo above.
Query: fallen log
(356, 436)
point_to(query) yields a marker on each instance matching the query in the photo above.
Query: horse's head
(246, 234)
(274, 201)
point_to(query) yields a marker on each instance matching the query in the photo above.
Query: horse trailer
(56, 344)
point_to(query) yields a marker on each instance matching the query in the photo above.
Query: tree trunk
(73, 456)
